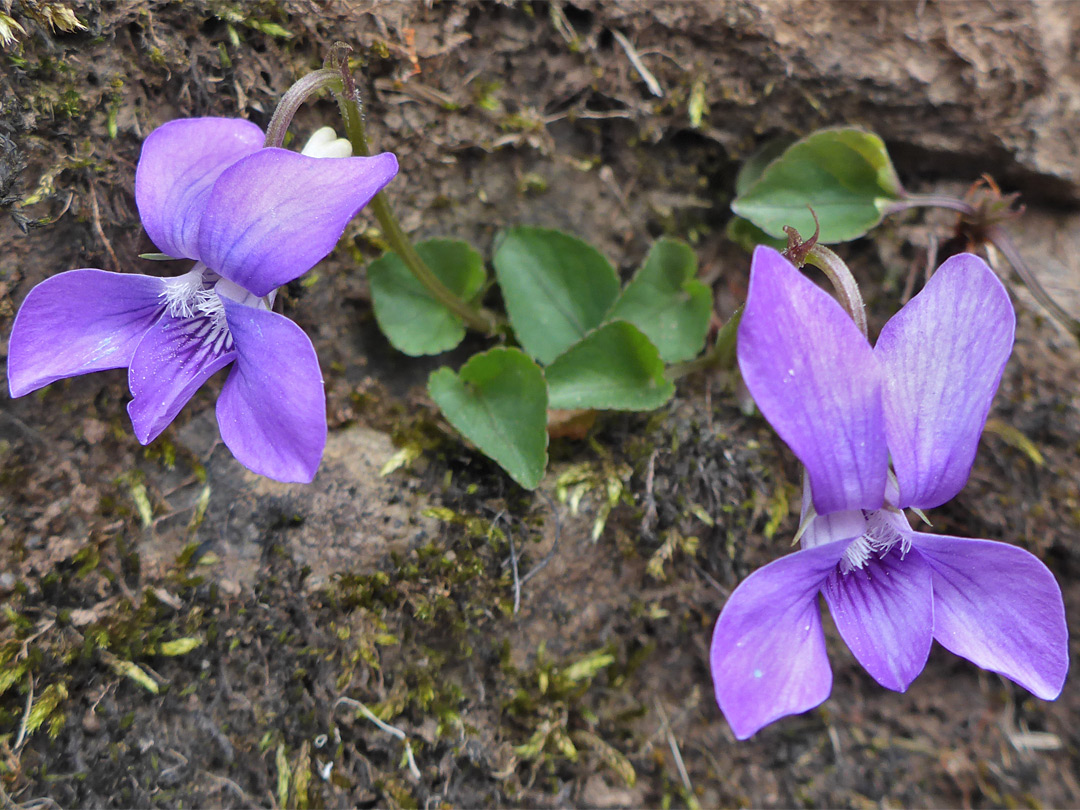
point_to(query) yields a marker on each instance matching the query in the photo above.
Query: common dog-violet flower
(252, 219)
(920, 396)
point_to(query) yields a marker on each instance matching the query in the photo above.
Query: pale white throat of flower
(196, 296)
(324, 143)
(870, 532)
(879, 538)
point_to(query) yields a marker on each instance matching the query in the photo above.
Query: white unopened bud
(324, 143)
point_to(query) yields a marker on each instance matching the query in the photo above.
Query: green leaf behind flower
(614, 368)
(498, 401)
(557, 288)
(412, 320)
(844, 174)
(666, 301)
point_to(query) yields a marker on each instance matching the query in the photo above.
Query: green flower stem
(478, 318)
(843, 282)
(721, 355)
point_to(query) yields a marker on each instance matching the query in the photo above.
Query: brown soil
(590, 686)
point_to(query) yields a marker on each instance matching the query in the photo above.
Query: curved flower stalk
(921, 396)
(252, 219)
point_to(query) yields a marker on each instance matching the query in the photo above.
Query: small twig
(96, 215)
(514, 567)
(24, 430)
(513, 558)
(1000, 239)
(724, 592)
(24, 645)
(396, 732)
(649, 518)
(224, 781)
(639, 66)
(928, 268)
(674, 745)
(20, 738)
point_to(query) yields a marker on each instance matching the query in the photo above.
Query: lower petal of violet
(78, 322)
(171, 363)
(884, 611)
(272, 410)
(768, 653)
(999, 607)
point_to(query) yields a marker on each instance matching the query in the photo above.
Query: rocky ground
(177, 631)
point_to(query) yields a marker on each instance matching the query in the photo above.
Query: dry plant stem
(999, 238)
(929, 201)
(721, 355)
(396, 732)
(480, 319)
(843, 282)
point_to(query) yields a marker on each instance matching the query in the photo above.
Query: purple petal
(77, 322)
(942, 357)
(273, 215)
(179, 164)
(885, 613)
(999, 607)
(814, 377)
(272, 410)
(768, 649)
(173, 360)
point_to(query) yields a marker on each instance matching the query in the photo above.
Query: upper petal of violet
(768, 653)
(942, 356)
(178, 166)
(999, 607)
(273, 215)
(272, 410)
(815, 378)
(77, 322)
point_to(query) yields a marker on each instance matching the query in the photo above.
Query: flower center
(880, 537)
(214, 329)
(180, 293)
(193, 297)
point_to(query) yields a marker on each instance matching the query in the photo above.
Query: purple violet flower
(252, 219)
(921, 396)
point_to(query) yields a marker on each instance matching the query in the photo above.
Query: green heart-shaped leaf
(614, 368)
(412, 320)
(498, 401)
(748, 236)
(666, 301)
(844, 174)
(754, 166)
(556, 287)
